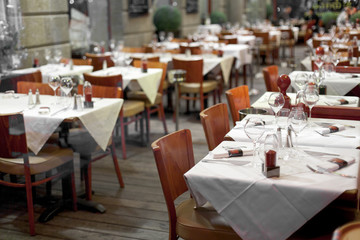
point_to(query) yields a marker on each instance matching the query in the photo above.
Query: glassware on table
(57, 56)
(335, 59)
(276, 101)
(311, 97)
(66, 85)
(47, 54)
(318, 61)
(301, 80)
(112, 45)
(297, 121)
(127, 60)
(283, 115)
(54, 83)
(254, 128)
(120, 45)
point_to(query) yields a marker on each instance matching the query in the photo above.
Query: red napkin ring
(343, 101)
(333, 129)
(235, 153)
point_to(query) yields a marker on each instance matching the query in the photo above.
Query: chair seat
(201, 223)
(141, 96)
(264, 47)
(208, 86)
(49, 157)
(132, 107)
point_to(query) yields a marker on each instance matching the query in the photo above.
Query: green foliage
(218, 17)
(328, 18)
(269, 11)
(167, 19)
(354, 17)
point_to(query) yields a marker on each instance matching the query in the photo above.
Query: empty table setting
(42, 120)
(303, 180)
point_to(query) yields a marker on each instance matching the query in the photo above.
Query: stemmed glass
(254, 128)
(57, 55)
(301, 80)
(54, 83)
(47, 53)
(297, 120)
(319, 62)
(66, 85)
(128, 60)
(335, 59)
(311, 97)
(276, 101)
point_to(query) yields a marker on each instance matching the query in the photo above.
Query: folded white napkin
(330, 129)
(334, 164)
(341, 101)
(220, 152)
(267, 122)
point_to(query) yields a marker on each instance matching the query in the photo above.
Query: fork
(337, 134)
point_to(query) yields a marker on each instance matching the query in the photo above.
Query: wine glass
(254, 128)
(276, 101)
(311, 97)
(66, 85)
(54, 83)
(297, 120)
(318, 61)
(128, 60)
(57, 55)
(112, 44)
(301, 80)
(47, 54)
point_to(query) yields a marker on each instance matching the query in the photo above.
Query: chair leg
(30, 206)
(122, 132)
(162, 116)
(244, 74)
(202, 101)
(148, 117)
(116, 165)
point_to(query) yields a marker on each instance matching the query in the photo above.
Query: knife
(315, 153)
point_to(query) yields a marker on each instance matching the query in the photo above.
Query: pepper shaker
(37, 97)
(30, 96)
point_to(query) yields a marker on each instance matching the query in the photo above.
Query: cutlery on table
(323, 171)
(334, 134)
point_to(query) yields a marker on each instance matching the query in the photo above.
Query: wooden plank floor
(136, 212)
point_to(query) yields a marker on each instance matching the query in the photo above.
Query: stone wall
(190, 21)
(46, 26)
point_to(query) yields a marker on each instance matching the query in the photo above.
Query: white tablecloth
(308, 137)
(50, 70)
(268, 208)
(212, 28)
(148, 82)
(99, 121)
(337, 84)
(241, 52)
(324, 100)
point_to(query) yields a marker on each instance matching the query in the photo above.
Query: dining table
(43, 119)
(50, 70)
(260, 207)
(324, 100)
(135, 79)
(336, 83)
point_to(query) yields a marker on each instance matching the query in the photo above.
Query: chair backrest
(31, 77)
(109, 81)
(347, 69)
(238, 98)
(13, 138)
(337, 112)
(150, 59)
(215, 121)
(97, 60)
(349, 231)
(77, 61)
(161, 65)
(230, 40)
(103, 91)
(271, 75)
(133, 49)
(174, 156)
(24, 87)
(264, 36)
(195, 50)
(287, 34)
(193, 68)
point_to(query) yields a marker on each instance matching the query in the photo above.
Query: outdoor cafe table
(270, 208)
(99, 121)
(336, 84)
(149, 82)
(324, 100)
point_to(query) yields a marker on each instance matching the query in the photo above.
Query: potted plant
(167, 19)
(354, 17)
(218, 17)
(328, 19)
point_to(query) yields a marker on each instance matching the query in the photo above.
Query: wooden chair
(271, 75)
(230, 40)
(98, 59)
(266, 48)
(157, 106)
(134, 50)
(195, 50)
(77, 61)
(238, 98)
(347, 69)
(174, 157)
(84, 144)
(24, 87)
(16, 160)
(337, 112)
(149, 59)
(195, 83)
(288, 40)
(317, 43)
(132, 109)
(349, 231)
(215, 121)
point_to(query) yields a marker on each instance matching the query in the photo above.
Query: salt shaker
(75, 103)
(37, 97)
(278, 134)
(289, 142)
(30, 96)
